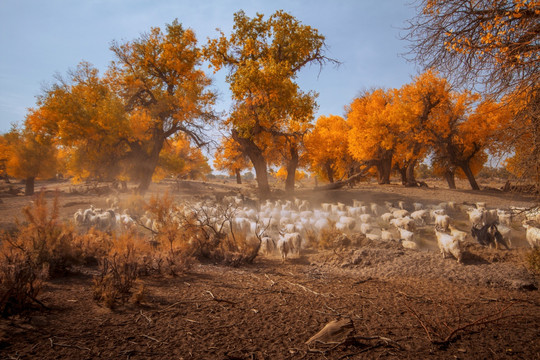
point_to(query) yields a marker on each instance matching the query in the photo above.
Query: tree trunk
(29, 186)
(329, 172)
(470, 176)
(259, 163)
(255, 155)
(291, 170)
(238, 176)
(450, 179)
(146, 166)
(403, 173)
(411, 180)
(384, 168)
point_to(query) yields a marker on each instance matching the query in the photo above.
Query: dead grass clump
(533, 260)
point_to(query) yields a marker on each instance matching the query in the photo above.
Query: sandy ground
(402, 303)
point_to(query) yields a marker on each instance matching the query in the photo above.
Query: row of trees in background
(149, 114)
(395, 130)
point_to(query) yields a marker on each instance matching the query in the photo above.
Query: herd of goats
(283, 226)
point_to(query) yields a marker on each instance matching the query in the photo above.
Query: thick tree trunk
(146, 164)
(329, 172)
(252, 151)
(470, 176)
(29, 186)
(411, 179)
(384, 168)
(261, 173)
(450, 179)
(238, 176)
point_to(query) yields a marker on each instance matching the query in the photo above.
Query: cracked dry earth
(402, 304)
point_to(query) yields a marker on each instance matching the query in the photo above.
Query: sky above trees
(41, 38)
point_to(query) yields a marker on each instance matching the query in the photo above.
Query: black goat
(488, 235)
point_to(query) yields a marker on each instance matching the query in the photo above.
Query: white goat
(449, 245)
(442, 221)
(533, 235)
(458, 234)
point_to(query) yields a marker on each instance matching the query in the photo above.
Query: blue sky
(39, 38)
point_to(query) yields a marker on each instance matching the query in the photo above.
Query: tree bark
(329, 172)
(403, 173)
(450, 179)
(384, 168)
(411, 179)
(238, 176)
(470, 176)
(255, 155)
(29, 186)
(146, 166)
(291, 170)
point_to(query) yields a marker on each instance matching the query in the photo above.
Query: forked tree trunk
(470, 176)
(29, 186)
(450, 179)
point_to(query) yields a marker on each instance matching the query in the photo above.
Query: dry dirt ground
(402, 303)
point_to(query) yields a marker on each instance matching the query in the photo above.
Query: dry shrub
(312, 239)
(329, 238)
(533, 260)
(44, 239)
(171, 236)
(40, 247)
(119, 269)
(93, 245)
(212, 237)
(20, 282)
(184, 232)
(238, 249)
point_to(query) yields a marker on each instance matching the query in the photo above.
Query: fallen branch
(446, 340)
(220, 300)
(53, 344)
(307, 289)
(481, 321)
(151, 338)
(351, 180)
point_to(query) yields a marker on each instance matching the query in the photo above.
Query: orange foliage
(264, 57)
(372, 132)
(327, 147)
(230, 158)
(179, 159)
(28, 155)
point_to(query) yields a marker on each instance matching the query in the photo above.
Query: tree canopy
(264, 57)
